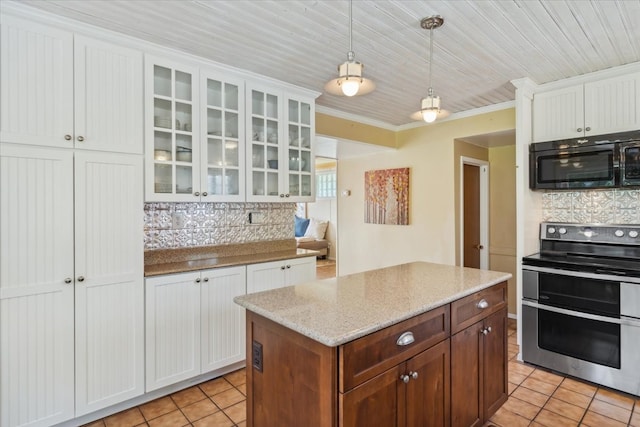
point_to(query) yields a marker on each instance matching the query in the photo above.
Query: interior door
(471, 200)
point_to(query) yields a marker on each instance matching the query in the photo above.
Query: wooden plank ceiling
(479, 49)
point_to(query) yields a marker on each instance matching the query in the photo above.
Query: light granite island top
(339, 310)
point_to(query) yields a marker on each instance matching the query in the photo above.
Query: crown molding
(355, 118)
(461, 115)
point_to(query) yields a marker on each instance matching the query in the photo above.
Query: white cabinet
(192, 324)
(596, 108)
(42, 271)
(277, 274)
(61, 90)
(280, 134)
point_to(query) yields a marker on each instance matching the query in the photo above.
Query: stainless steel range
(581, 303)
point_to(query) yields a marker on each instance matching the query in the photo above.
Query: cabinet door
(110, 300)
(495, 391)
(36, 302)
(264, 159)
(265, 276)
(108, 97)
(172, 325)
(171, 117)
(223, 138)
(36, 82)
(558, 114)
(376, 402)
(612, 105)
(427, 398)
(222, 329)
(299, 157)
(300, 270)
(466, 377)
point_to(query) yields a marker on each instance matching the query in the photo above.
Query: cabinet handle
(288, 266)
(80, 278)
(197, 193)
(406, 339)
(67, 137)
(579, 129)
(587, 128)
(405, 378)
(81, 138)
(482, 304)
(486, 330)
(67, 280)
(282, 195)
(282, 268)
(286, 195)
(204, 193)
(413, 375)
(198, 280)
(206, 279)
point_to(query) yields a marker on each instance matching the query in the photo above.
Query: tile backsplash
(593, 206)
(180, 225)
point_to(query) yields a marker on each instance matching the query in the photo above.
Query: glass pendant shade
(350, 77)
(430, 108)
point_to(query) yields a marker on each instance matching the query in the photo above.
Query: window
(326, 184)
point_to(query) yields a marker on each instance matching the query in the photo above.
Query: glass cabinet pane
(214, 93)
(161, 81)
(184, 179)
(183, 86)
(231, 97)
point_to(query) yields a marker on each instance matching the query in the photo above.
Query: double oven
(581, 303)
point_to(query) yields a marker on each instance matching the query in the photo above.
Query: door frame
(484, 209)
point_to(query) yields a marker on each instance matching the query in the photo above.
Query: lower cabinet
(278, 274)
(192, 324)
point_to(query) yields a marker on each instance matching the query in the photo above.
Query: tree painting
(386, 195)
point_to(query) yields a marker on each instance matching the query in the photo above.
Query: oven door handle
(586, 275)
(622, 321)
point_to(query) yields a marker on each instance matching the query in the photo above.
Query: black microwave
(605, 161)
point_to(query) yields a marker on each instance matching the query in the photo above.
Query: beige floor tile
(516, 377)
(188, 396)
(539, 386)
(593, 419)
(237, 412)
(215, 386)
(143, 425)
(551, 419)
(522, 408)
(129, 418)
(200, 409)
(609, 410)
(98, 423)
(615, 398)
(242, 424)
(227, 398)
(219, 419)
(531, 396)
(547, 377)
(572, 397)
(579, 387)
(520, 368)
(565, 409)
(158, 407)
(237, 377)
(511, 387)
(172, 419)
(635, 418)
(242, 388)
(504, 418)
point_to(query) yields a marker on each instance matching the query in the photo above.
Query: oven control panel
(624, 234)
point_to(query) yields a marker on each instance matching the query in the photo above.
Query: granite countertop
(172, 261)
(336, 311)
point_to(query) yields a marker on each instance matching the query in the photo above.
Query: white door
(36, 81)
(300, 270)
(172, 325)
(108, 97)
(265, 276)
(223, 321)
(558, 114)
(110, 298)
(36, 285)
(612, 105)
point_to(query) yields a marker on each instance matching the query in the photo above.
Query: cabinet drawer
(373, 354)
(468, 310)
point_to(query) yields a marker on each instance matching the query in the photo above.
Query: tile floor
(325, 268)
(536, 398)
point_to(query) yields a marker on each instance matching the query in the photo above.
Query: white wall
(326, 209)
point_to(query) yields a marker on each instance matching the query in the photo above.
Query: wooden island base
(453, 373)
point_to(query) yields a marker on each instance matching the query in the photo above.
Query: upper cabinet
(280, 132)
(66, 90)
(596, 108)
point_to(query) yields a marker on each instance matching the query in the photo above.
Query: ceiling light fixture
(350, 81)
(430, 105)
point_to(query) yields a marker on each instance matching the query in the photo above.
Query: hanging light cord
(350, 55)
(430, 55)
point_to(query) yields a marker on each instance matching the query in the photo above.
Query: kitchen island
(418, 344)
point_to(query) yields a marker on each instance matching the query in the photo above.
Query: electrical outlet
(257, 217)
(178, 220)
(256, 356)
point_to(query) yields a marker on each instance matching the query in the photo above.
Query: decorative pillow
(301, 226)
(316, 228)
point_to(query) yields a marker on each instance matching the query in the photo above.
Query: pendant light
(430, 105)
(350, 81)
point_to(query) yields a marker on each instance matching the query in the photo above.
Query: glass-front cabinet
(279, 140)
(171, 141)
